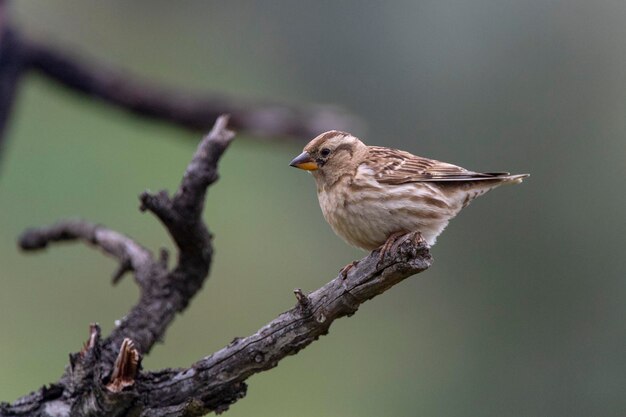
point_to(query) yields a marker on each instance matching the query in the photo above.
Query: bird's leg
(344, 271)
(385, 247)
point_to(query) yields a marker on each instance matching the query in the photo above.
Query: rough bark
(103, 379)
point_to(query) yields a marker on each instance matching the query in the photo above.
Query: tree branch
(131, 255)
(11, 68)
(215, 382)
(169, 292)
(139, 97)
(191, 111)
(104, 378)
(87, 384)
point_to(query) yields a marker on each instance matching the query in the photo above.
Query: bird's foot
(344, 271)
(418, 239)
(392, 239)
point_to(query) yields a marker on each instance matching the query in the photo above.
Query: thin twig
(131, 255)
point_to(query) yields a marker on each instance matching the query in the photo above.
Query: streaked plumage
(369, 193)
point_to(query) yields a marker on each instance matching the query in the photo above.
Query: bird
(372, 195)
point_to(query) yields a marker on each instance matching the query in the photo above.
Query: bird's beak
(304, 161)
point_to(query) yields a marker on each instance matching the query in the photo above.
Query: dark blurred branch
(191, 111)
(11, 69)
(104, 378)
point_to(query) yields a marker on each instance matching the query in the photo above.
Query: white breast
(365, 213)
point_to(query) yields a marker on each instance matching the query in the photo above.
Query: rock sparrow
(370, 195)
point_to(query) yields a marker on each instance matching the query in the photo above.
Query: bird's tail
(513, 179)
(489, 181)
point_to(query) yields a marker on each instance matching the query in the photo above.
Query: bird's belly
(366, 220)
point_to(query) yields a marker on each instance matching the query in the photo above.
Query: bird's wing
(392, 166)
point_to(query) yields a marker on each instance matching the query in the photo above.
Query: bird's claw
(418, 239)
(344, 271)
(392, 239)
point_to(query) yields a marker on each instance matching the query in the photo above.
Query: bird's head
(331, 155)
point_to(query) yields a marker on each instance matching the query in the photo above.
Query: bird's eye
(325, 152)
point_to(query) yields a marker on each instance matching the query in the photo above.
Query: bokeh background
(523, 312)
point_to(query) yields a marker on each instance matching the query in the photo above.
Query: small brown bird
(371, 195)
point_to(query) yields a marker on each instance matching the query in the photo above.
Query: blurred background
(522, 313)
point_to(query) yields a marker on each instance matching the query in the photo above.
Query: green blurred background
(522, 313)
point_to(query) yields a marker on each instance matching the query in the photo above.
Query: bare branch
(182, 214)
(192, 111)
(11, 67)
(218, 380)
(189, 110)
(131, 255)
(169, 292)
(215, 382)
(163, 293)
(103, 378)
